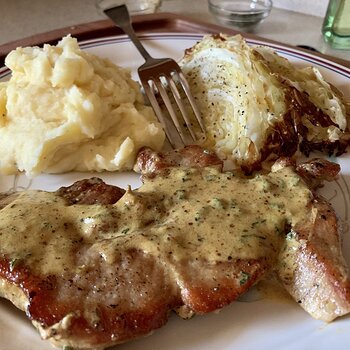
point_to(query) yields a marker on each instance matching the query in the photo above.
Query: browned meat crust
(151, 163)
(219, 284)
(92, 191)
(316, 171)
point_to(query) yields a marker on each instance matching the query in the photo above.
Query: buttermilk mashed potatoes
(64, 109)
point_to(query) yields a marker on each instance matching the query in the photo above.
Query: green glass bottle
(336, 25)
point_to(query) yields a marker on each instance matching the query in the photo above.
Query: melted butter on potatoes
(64, 109)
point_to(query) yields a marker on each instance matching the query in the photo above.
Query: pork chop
(93, 265)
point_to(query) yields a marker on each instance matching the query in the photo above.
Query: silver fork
(157, 76)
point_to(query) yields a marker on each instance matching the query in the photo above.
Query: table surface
(21, 18)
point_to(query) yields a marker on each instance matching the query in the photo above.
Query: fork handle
(120, 16)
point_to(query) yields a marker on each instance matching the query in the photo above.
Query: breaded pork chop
(93, 265)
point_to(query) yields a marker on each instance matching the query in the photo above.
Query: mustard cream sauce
(186, 214)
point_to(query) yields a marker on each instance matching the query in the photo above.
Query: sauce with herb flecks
(186, 214)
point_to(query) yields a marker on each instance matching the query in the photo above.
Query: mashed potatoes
(64, 110)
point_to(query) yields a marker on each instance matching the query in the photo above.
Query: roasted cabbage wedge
(256, 105)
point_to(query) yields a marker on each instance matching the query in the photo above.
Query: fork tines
(159, 77)
(163, 82)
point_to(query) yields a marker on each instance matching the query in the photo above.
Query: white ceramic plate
(263, 324)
